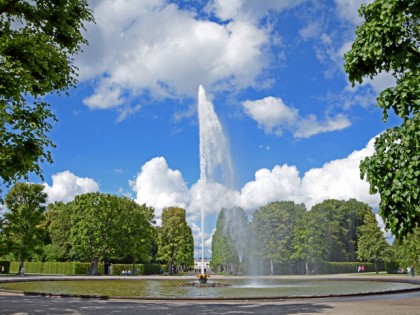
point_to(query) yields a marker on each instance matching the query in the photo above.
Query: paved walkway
(404, 303)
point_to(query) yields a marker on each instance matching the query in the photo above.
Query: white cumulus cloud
(157, 49)
(281, 183)
(273, 116)
(310, 126)
(339, 179)
(159, 186)
(348, 10)
(249, 9)
(65, 186)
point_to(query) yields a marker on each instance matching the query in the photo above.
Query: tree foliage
(372, 244)
(136, 232)
(37, 42)
(231, 240)
(58, 225)
(22, 233)
(308, 239)
(105, 226)
(389, 41)
(272, 227)
(407, 250)
(175, 240)
(338, 220)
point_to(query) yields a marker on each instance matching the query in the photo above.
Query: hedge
(78, 268)
(52, 267)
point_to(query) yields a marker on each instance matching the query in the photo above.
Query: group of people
(410, 271)
(361, 268)
(126, 273)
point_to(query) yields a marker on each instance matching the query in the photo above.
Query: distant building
(198, 264)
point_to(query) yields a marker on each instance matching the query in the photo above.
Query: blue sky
(273, 70)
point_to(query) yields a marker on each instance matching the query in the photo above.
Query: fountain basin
(244, 288)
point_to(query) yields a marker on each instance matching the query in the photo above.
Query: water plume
(215, 160)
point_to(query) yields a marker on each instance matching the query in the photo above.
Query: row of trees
(284, 233)
(102, 227)
(93, 227)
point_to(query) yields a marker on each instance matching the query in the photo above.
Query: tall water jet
(215, 160)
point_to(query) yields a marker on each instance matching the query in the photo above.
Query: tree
(135, 233)
(22, 234)
(372, 244)
(37, 42)
(338, 220)
(388, 41)
(230, 240)
(353, 216)
(222, 257)
(272, 227)
(105, 226)
(58, 224)
(407, 250)
(175, 241)
(308, 241)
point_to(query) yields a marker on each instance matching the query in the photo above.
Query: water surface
(238, 289)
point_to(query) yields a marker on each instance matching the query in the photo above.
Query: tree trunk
(306, 268)
(20, 266)
(376, 266)
(94, 266)
(271, 267)
(171, 267)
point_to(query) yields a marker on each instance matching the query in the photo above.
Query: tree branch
(414, 51)
(8, 6)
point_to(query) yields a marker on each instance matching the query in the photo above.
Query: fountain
(215, 161)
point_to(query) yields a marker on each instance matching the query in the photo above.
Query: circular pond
(237, 289)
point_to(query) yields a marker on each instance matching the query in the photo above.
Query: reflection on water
(269, 286)
(173, 289)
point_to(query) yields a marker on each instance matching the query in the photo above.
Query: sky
(273, 69)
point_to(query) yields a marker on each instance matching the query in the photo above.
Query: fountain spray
(215, 161)
(202, 100)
